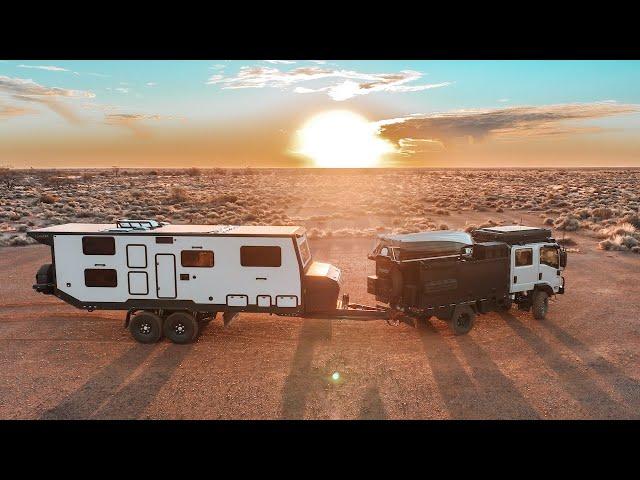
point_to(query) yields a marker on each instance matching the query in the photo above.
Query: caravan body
(144, 265)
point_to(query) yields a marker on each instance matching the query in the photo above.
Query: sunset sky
(286, 113)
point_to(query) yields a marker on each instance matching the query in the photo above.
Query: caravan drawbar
(172, 278)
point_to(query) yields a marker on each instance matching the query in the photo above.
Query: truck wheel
(181, 327)
(540, 304)
(146, 327)
(462, 321)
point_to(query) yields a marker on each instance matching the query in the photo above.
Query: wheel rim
(145, 328)
(179, 328)
(463, 321)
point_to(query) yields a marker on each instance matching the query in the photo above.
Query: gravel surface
(581, 362)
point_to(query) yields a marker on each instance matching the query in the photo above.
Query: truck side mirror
(563, 258)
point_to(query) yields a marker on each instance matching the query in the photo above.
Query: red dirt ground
(581, 362)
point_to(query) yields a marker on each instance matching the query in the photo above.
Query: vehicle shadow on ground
(302, 381)
(592, 398)
(488, 393)
(372, 406)
(108, 394)
(627, 387)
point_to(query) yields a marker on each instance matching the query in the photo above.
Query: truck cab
(536, 265)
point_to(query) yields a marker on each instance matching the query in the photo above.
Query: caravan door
(166, 275)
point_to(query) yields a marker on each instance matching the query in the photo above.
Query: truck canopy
(425, 244)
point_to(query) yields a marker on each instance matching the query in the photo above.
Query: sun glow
(342, 139)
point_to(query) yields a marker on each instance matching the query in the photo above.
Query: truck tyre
(462, 320)
(540, 303)
(146, 327)
(181, 327)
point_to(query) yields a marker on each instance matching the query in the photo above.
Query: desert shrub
(178, 195)
(548, 221)
(635, 249)
(633, 219)
(443, 226)
(222, 199)
(612, 230)
(193, 172)
(566, 241)
(568, 223)
(602, 213)
(48, 198)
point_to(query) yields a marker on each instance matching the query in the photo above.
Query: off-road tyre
(540, 304)
(181, 327)
(146, 327)
(462, 320)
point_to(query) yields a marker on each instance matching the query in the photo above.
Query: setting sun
(340, 138)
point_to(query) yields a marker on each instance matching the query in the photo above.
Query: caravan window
(100, 277)
(196, 258)
(253, 256)
(98, 246)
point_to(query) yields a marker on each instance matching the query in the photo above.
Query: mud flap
(228, 317)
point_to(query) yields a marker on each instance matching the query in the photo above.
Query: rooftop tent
(512, 234)
(427, 244)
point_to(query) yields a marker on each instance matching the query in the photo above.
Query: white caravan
(177, 275)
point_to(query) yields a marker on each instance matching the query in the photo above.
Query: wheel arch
(545, 287)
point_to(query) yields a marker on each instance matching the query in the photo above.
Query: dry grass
(349, 203)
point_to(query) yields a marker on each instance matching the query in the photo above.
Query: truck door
(166, 275)
(524, 268)
(550, 266)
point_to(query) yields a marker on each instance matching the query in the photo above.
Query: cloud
(284, 62)
(151, 84)
(345, 84)
(122, 90)
(10, 111)
(132, 121)
(50, 68)
(29, 91)
(511, 122)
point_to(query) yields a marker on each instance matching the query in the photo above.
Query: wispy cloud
(511, 122)
(133, 122)
(50, 68)
(151, 84)
(283, 62)
(345, 84)
(10, 111)
(29, 91)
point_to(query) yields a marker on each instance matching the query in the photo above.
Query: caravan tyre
(462, 320)
(540, 303)
(181, 327)
(146, 327)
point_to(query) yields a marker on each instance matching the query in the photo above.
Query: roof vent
(138, 224)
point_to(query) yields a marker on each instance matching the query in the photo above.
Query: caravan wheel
(181, 327)
(146, 327)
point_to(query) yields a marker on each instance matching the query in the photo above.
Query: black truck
(456, 275)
